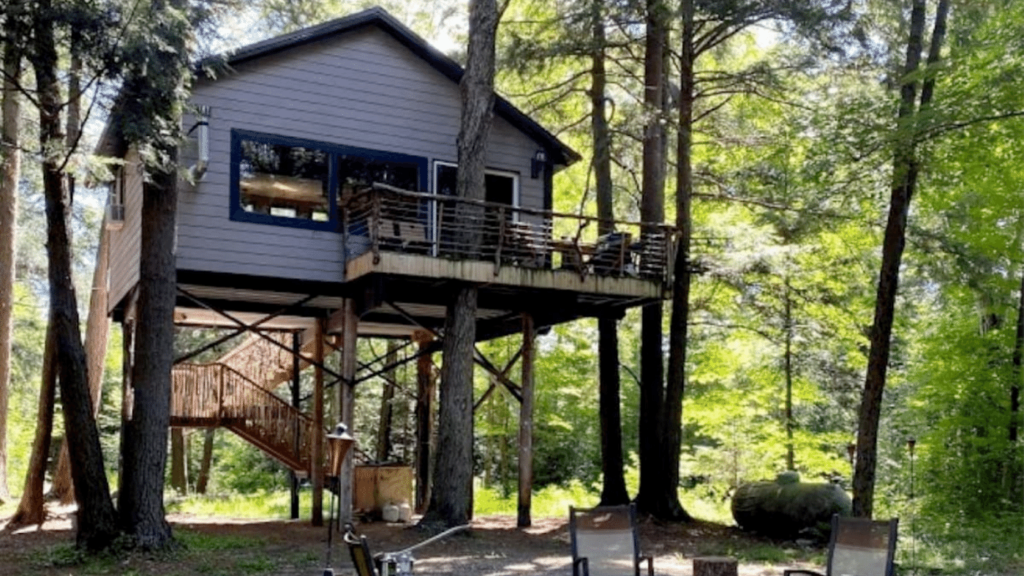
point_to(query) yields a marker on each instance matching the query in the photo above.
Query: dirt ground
(495, 547)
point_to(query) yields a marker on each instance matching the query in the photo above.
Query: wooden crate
(377, 486)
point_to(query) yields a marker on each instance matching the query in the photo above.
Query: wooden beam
(425, 386)
(386, 398)
(296, 345)
(481, 272)
(319, 364)
(346, 399)
(526, 426)
(316, 460)
(504, 374)
(500, 375)
(248, 327)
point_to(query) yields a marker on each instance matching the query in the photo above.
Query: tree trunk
(158, 82)
(672, 415)
(144, 452)
(30, 507)
(179, 461)
(652, 210)
(96, 517)
(204, 466)
(97, 332)
(613, 489)
(145, 448)
(10, 160)
(905, 172)
(788, 361)
(1018, 353)
(451, 503)
(525, 460)
(386, 398)
(97, 327)
(425, 391)
(316, 474)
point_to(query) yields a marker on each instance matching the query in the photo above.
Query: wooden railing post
(316, 460)
(220, 394)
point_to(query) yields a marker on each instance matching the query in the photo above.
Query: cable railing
(383, 218)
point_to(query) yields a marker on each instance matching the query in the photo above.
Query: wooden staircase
(261, 361)
(217, 394)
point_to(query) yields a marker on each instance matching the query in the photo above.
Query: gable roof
(557, 151)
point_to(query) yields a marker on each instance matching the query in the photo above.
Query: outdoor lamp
(540, 159)
(339, 442)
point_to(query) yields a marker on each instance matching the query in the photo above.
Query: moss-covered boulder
(787, 507)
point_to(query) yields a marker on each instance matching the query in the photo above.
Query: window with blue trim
(284, 181)
(301, 183)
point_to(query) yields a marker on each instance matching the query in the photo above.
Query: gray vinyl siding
(125, 244)
(361, 89)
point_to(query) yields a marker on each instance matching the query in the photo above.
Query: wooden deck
(486, 273)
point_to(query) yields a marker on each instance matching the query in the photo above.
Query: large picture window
(302, 183)
(284, 181)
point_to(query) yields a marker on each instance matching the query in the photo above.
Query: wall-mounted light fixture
(540, 160)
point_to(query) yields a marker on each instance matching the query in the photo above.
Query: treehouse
(320, 207)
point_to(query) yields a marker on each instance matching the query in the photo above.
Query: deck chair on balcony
(605, 542)
(858, 547)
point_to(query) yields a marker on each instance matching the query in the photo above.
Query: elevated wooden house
(320, 207)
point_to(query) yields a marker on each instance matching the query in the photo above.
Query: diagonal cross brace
(247, 328)
(501, 376)
(252, 326)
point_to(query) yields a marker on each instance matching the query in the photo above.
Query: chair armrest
(577, 563)
(801, 571)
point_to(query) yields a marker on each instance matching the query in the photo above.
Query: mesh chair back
(606, 537)
(862, 547)
(359, 548)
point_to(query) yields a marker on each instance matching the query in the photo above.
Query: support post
(346, 398)
(316, 460)
(386, 409)
(526, 425)
(425, 391)
(127, 356)
(297, 349)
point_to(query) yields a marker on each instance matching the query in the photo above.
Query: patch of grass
(259, 564)
(764, 553)
(194, 541)
(965, 547)
(257, 505)
(61, 556)
(64, 556)
(705, 508)
(550, 501)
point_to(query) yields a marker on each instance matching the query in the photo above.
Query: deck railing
(218, 395)
(382, 218)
